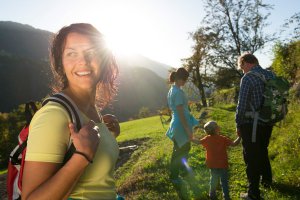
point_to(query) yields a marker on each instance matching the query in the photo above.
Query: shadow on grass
(287, 189)
(127, 148)
(230, 108)
(150, 179)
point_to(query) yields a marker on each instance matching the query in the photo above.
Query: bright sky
(157, 29)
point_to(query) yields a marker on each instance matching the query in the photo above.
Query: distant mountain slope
(24, 41)
(25, 73)
(142, 61)
(139, 87)
(22, 80)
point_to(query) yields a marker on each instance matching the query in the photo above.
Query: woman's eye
(72, 54)
(90, 54)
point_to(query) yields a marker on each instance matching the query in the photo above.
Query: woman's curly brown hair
(107, 84)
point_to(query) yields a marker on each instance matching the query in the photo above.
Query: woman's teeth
(82, 73)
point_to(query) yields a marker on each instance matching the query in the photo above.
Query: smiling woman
(85, 73)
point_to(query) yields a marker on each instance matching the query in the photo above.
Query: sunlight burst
(120, 45)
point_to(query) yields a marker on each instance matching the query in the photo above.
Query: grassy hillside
(145, 175)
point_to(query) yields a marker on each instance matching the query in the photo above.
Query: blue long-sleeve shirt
(251, 94)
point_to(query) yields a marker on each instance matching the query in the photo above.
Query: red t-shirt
(216, 150)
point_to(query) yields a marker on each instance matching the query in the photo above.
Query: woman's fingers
(86, 139)
(72, 128)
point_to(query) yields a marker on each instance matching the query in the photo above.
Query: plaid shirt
(251, 94)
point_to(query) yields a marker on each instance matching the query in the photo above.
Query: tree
(229, 28)
(196, 64)
(287, 59)
(225, 78)
(293, 23)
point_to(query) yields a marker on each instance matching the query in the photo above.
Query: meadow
(144, 172)
(145, 175)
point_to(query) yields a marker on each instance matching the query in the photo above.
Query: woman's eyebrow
(69, 48)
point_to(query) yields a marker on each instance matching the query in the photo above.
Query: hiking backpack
(17, 156)
(274, 107)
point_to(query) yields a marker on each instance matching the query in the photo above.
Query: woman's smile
(81, 62)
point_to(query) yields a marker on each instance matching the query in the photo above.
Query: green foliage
(230, 28)
(286, 147)
(146, 174)
(144, 112)
(3, 171)
(225, 96)
(10, 126)
(225, 78)
(287, 59)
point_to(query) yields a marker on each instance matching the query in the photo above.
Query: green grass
(145, 175)
(3, 171)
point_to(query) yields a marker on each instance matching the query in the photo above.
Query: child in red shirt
(216, 157)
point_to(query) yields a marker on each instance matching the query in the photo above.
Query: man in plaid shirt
(250, 99)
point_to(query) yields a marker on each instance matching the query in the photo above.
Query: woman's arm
(44, 180)
(184, 122)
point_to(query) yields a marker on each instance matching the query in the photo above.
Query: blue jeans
(215, 176)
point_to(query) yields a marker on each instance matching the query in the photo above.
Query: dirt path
(3, 194)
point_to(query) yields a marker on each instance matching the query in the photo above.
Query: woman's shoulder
(51, 111)
(176, 91)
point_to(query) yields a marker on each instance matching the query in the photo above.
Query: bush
(10, 126)
(144, 112)
(224, 96)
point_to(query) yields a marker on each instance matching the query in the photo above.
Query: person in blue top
(255, 152)
(181, 125)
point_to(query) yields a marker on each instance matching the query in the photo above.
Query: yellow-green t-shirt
(49, 139)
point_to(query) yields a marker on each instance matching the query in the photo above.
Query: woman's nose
(84, 59)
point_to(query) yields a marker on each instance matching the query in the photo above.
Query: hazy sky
(157, 29)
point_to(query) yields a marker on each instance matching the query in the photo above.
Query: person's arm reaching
(236, 142)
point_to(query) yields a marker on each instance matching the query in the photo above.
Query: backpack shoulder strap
(259, 75)
(72, 110)
(69, 105)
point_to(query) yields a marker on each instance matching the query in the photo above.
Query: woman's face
(81, 62)
(181, 82)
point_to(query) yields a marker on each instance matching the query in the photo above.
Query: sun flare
(129, 31)
(121, 46)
